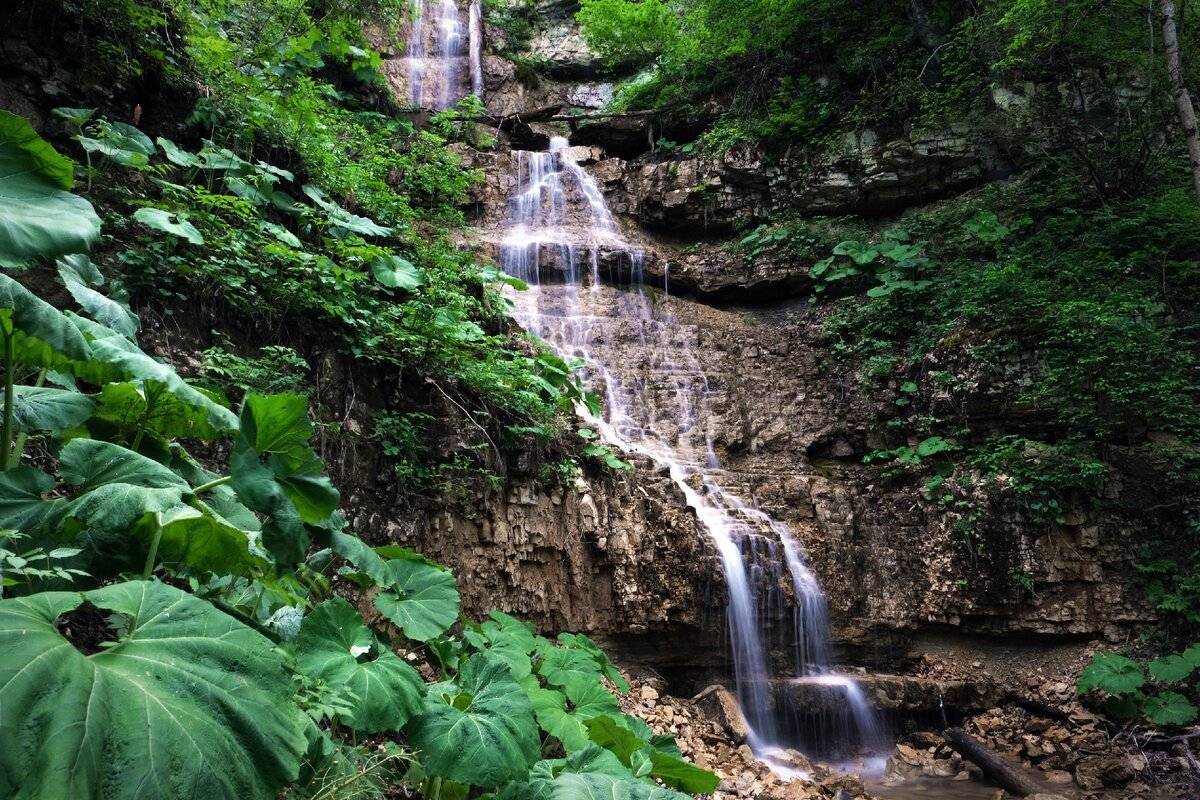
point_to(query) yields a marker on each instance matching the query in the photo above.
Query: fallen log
(1036, 706)
(994, 766)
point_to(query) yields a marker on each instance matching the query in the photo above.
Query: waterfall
(558, 236)
(416, 53)
(439, 47)
(475, 35)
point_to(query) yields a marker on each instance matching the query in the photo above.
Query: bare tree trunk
(1183, 100)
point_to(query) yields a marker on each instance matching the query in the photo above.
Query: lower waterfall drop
(560, 238)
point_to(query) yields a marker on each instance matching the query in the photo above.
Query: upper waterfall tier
(443, 61)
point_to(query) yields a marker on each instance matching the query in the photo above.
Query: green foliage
(275, 369)
(1120, 682)
(479, 729)
(625, 32)
(125, 720)
(419, 598)
(1171, 581)
(285, 669)
(40, 217)
(337, 647)
(891, 265)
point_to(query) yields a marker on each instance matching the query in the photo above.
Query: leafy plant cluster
(799, 73)
(1162, 691)
(341, 217)
(1068, 317)
(173, 628)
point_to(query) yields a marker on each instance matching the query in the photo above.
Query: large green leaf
(395, 272)
(42, 331)
(278, 425)
(422, 599)
(80, 268)
(89, 463)
(561, 665)
(1171, 669)
(284, 534)
(342, 220)
(150, 405)
(101, 307)
(42, 408)
(38, 218)
(22, 503)
(206, 543)
(579, 641)
(120, 490)
(598, 786)
(362, 556)
(1111, 673)
(188, 702)
(478, 729)
(1170, 708)
(335, 645)
(610, 732)
(121, 142)
(540, 783)
(549, 707)
(168, 222)
(679, 774)
(277, 428)
(132, 363)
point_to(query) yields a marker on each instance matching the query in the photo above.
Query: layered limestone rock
(610, 555)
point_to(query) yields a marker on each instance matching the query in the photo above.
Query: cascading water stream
(445, 56)
(475, 39)
(559, 234)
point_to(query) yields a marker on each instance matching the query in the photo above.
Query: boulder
(718, 705)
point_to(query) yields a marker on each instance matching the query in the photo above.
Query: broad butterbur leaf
(478, 729)
(597, 786)
(273, 461)
(422, 600)
(1111, 673)
(341, 219)
(42, 408)
(38, 217)
(1171, 669)
(102, 308)
(610, 732)
(1170, 708)
(23, 506)
(188, 703)
(205, 543)
(152, 406)
(89, 463)
(126, 358)
(395, 272)
(336, 646)
(42, 333)
(120, 142)
(679, 774)
(167, 222)
(560, 666)
(540, 783)
(81, 269)
(75, 117)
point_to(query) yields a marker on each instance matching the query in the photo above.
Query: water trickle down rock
(588, 299)
(443, 61)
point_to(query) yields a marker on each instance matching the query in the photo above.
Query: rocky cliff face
(622, 556)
